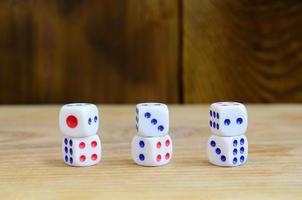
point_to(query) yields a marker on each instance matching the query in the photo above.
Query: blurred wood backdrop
(174, 51)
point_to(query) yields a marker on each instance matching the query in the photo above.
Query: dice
(79, 120)
(228, 118)
(152, 119)
(227, 151)
(81, 151)
(152, 151)
(228, 122)
(79, 123)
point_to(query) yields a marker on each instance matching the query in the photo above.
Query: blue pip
(228, 146)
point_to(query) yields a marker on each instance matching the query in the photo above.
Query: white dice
(228, 118)
(152, 119)
(81, 151)
(227, 151)
(151, 151)
(79, 120)
(79, 123)
(228, 122)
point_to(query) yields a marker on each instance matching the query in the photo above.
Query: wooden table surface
(31, 166)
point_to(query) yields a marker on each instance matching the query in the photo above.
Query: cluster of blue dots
(141, 145)
(214, 115)
(95, 119)
(226, 122)
(68, 150)
(241, 151)
(214, 125)
(236, 152)
(153, 121)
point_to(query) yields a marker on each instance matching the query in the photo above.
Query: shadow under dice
(152, 119)
(81, 151)
(152, 151)
(227, 151)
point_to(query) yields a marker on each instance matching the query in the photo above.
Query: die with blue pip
(152, 145)
(228, 146)
(79, 123)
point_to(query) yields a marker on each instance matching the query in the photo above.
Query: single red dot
(94, 157)
(94, 143)
(71, 121)
(158, 158)
(82, 158)
(167, 143)
(82, 145)
(167, 156)
(158, 145)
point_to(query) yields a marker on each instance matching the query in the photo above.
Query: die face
(152, 119)
(228, 118)
(81, 151)
(227, 151)
(152, 151)
(79, 120)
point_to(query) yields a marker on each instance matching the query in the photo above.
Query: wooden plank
(31, 165)
(242, 50)
(106, 51)
(16, 51)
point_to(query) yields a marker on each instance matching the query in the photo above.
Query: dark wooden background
(174, 51)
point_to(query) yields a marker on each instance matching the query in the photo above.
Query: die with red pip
(79, 123)
(152, 146)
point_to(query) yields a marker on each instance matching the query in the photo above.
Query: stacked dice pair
(152, 146)
(79, 123)
(228, 122)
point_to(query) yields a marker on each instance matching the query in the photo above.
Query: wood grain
(247, 51)
(31, 166)
(16, 52)
(96, 51)
(172, 51)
